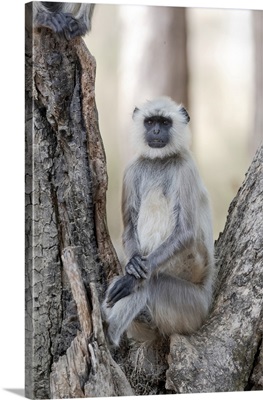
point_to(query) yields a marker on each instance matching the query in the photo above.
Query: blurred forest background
(208, 59)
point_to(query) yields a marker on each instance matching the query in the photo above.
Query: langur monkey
(67, 19)
(167, 237)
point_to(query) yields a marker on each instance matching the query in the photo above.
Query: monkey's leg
(122, 313)
(142, 328)
(178, 305)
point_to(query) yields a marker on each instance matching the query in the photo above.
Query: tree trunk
(224, 354)
(70, 258)
(66, 182)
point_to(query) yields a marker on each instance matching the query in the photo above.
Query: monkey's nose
(156, 131)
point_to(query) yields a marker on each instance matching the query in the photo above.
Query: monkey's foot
(122, 288)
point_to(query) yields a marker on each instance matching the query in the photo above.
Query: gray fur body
(167, 222)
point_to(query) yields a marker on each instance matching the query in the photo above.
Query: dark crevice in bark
(251, 385)
(56, 213)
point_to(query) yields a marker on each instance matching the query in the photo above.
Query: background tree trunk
(257, 134)
(166, 51)
(70, 258)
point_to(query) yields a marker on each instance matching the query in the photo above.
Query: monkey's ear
(185, 113)
(135, 111)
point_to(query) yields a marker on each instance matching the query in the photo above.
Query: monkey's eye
(149, 121)
(166, 122)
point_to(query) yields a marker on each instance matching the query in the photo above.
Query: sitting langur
(68, 19)
(167, 234)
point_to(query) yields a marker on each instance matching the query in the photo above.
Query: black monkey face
(157, 131)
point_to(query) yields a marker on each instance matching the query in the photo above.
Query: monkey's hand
(137, 267)
(122, 288)
(61, 23)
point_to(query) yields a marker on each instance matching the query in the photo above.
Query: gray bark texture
(224, 355)
(66, 184)
(70, 258)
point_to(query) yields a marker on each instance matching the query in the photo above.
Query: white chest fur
(156, 220)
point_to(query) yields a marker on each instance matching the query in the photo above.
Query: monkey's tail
(120, 316)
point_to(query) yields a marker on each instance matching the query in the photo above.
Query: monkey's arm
(139, 268)
(181, 238)
(192, 209)
(128, 283)
(130, 205)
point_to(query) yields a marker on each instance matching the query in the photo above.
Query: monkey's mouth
(156, 144)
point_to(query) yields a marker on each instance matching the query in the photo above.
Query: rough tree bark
(224, 354)
(66, 182)
(70, 258)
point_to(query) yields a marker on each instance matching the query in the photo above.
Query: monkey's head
(160, 128)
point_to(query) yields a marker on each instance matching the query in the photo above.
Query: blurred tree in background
(257, 135)
(164, 66)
